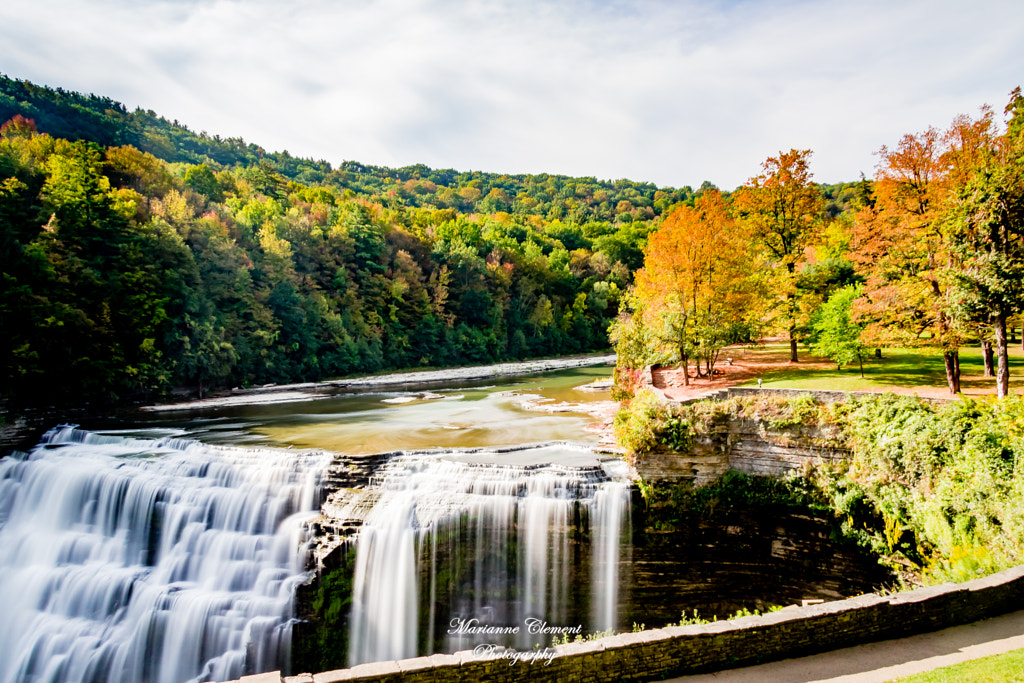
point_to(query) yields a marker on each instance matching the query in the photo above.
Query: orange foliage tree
(695, 289)
(907, 247)
(986, 222)
(782, 208)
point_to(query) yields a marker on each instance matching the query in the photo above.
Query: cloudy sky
(672, 92)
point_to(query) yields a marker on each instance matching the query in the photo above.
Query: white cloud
(671, 92)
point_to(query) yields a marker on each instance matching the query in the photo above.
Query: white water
(131, 560)
(450, 540)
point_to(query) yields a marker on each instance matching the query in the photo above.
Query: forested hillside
(108, 123)
(139, 256)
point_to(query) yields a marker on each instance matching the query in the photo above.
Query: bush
(638, 422)
(937, 486)
(951, 474)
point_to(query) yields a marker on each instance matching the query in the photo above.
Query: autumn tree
(923, 245)
(986, 222)
(782, 209)
(695, 283)
(901, 243)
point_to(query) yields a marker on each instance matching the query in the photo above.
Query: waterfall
(157, 560)
(453, 546)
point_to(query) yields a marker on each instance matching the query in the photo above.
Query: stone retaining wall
(652, 655)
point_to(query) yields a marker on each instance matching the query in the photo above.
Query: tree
(902, 244)
(782, 208)
(837, 336)
(695, 283)
(206, 358)
(201, 179)
(986, 220)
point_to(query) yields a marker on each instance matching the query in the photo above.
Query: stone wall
(819, 395)
(652, 655)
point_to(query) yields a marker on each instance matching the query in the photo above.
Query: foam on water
(162, 560)
(458, 537)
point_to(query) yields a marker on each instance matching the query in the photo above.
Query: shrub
(637, 423)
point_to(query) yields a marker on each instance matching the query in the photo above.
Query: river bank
(21, 429)
(308, 391)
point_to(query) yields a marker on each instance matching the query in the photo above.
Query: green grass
(911, 368)
(1008, 666)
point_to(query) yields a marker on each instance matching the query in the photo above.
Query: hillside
(139, 256)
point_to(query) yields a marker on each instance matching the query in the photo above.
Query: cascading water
(160, 560)
(517, 548)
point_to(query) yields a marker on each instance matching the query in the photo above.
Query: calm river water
(469, 415)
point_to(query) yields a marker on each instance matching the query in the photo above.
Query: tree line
(550, 197)
(139, 256)
(928, 253)
(125, 276)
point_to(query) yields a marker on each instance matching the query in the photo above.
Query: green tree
(987, 223)
(207, 358)
(201, 179)
(836, 336)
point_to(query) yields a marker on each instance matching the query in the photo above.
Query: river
(204, 543)
(460, 415)
(167, 546)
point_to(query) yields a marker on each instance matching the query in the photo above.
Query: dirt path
(736, 365)
(740, 364)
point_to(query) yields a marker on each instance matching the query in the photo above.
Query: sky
(669, 92)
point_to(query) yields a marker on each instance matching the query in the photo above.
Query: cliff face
(746, 445)
(323, 603)
(728, 555)
(731, 557)
(741, 445)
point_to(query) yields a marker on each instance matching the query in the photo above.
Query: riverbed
(494, 410)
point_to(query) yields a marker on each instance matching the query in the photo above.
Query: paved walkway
(885, 660)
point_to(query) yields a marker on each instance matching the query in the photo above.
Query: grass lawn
(916, 370)
(1008, 666)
